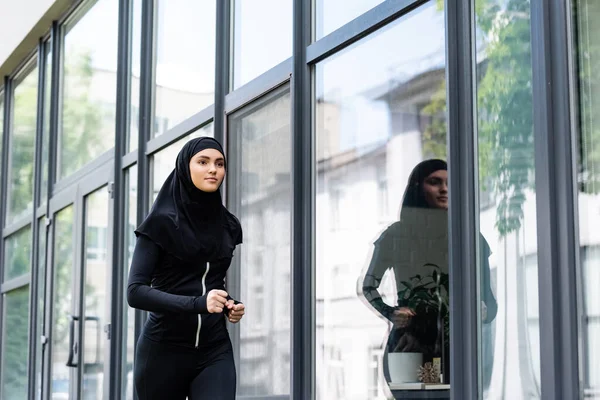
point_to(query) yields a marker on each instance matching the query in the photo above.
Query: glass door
(94, 317)
(78, 358)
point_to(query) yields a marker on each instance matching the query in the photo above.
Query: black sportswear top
(175, 293)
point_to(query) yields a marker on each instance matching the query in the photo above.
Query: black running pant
(163, 371)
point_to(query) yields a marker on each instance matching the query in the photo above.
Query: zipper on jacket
(203, 293)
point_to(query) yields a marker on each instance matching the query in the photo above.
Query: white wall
(18, 18)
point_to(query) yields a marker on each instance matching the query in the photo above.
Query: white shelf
(418, 386)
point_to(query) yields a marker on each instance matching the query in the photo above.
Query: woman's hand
(216, 300)
(236, 311)
(402, 317)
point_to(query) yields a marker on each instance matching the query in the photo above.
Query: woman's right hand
(402, 316)
(215, 301)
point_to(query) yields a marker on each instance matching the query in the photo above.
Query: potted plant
(426, 333)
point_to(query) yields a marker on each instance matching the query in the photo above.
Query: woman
(183, 250)
(416, 247)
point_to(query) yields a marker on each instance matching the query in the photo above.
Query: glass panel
(15, 344)
(18, 254)
(262, 161)
(134, 117)
(333, 14)
(509, 348)
(41, 296)
(587, 51)
(381, 215)
(96, 266)
(185, 60)
(62, 301)
(46, 124)
(164, 161)
(22, 144)
(89, 87)
(262, 37)
(129, 238)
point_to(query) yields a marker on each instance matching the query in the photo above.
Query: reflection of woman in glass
(183, 251)
(416, 248)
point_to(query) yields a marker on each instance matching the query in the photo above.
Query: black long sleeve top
(385, 256)
(175, 294)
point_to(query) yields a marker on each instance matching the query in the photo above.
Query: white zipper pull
(203, 293)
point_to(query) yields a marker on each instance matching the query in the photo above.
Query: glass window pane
(185, 60)
(22, 144)
(333, 14)
(96, 267)
(46, 125)
(41, 296)
(89, 87)
(129, 238)
(15, 344)
(164, 161)
(509, 352)
(381, 215)
(18, 254)
(134, 117)
(587, 50)
(63, 283)
(262, 37)
(262, 164)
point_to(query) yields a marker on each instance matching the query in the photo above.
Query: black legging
(164, 371)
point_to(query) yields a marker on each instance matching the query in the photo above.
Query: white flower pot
(404, 367)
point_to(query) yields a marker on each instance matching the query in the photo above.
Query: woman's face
(435, 189)
(207, 169)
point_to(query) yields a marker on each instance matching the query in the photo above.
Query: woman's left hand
(236, 311)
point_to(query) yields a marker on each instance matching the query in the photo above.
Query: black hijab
(185, 221)
(414, 196)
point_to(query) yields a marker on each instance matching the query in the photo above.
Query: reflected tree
(63, 270)
(22, 144)
(504, 106)
(588, 56)
(15, 344)
(15, 348)
(82, 115)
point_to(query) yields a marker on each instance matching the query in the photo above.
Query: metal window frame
(360, 27)
(254, 90)
(55, 109)
(556, 192)
(118, 306)
(192, 124)
(35, 276)
(145, 122)
(303, 329)
(16, 226)
(222, 66)
(463, 208)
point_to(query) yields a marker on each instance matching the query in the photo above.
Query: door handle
(72, 361)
